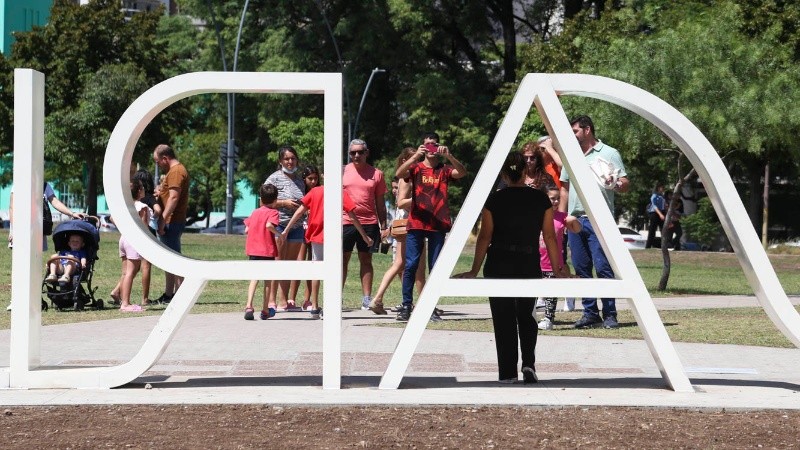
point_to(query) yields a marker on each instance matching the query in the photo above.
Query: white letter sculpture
(29, 119)
(542, 90)
(538, 89)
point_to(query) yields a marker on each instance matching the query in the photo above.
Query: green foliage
(305, 135)
(95, 63)
(703, 226)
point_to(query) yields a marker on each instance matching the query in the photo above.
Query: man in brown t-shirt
(174, 200)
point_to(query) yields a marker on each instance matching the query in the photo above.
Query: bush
(703, 226)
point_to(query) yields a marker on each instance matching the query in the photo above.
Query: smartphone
(432, 147)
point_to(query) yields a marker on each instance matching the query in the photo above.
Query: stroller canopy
(89, 232)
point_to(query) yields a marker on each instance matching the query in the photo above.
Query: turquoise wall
(21, 15)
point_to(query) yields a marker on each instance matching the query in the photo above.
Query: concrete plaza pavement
(221, 358)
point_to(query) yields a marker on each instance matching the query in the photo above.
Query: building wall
(21, 15)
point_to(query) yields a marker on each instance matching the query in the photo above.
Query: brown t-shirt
(177, 178)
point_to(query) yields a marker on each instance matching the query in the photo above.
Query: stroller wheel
(44, 305)
(99, 305)
(78, 305)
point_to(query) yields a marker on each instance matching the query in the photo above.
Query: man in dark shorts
(367, 187)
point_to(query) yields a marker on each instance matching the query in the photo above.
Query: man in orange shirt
(174, 200)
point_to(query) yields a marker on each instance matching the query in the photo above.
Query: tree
(95, 62)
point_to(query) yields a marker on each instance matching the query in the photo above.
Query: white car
(633, 239)
(106, 224)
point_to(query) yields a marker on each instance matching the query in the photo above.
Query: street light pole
(363, 98)
(231, 141)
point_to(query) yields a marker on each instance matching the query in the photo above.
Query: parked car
(633, 239)
(106, 224)
(219, 228)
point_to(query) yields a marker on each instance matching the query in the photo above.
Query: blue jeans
(587, 253)
(415, 242)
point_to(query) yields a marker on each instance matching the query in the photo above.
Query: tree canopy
(450, 66)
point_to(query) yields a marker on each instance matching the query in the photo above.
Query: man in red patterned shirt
(429, 216)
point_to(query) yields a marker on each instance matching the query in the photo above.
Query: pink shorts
(127, 251)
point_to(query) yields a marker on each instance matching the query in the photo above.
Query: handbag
(399, 227)
(47, 220)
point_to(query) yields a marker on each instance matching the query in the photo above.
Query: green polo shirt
(611, 155)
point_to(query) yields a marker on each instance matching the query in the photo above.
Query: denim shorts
(172, 235)
(296, 234)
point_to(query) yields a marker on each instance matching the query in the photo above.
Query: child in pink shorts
(131, 260)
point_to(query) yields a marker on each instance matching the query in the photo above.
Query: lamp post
(230, 156)
(364, 97)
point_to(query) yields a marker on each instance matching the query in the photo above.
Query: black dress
(517, 215)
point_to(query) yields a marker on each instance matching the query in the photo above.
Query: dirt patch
(262, 426)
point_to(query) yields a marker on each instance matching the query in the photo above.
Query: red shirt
(260, 241)
(314, 201)
(429, 209)
(366, 188)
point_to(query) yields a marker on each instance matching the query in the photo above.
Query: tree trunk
(765, 201)
(91, 189)
(665, 270)
(667, 267)
(754, 199)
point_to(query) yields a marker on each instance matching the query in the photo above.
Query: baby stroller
(78, 292)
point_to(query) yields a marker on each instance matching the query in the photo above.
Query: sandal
(291, 306)
(377, 308)
(131, 308)
(248, 314)
(116, 299)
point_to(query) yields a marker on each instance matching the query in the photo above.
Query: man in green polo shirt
(584, 245)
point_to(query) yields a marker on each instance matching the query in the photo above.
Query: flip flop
(131, 308)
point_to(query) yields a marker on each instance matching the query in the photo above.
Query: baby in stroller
(68, 282)
(67, 262)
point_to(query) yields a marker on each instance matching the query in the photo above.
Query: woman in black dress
(511, 222)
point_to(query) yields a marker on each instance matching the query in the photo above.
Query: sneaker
(377, 308)
(52, 279)
(435, 317)
(569, 305)
(8, 308)
(397, 308)
(267, 314)
(365, 302)
(404, 314)
(540, 303)
(248, 314)
(316, 313)
(165, 299)
(588, 322)
(529, 375)
(507, 381)
(307, 306)
(545, 324)
(610, 322)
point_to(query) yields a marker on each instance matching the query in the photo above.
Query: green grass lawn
(692, 273)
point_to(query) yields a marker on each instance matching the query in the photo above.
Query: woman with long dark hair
(511, 221)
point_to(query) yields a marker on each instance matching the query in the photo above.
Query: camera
(432, 147)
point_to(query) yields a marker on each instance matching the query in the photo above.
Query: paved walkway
(220, 358)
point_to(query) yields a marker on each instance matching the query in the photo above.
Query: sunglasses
(357, 152)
